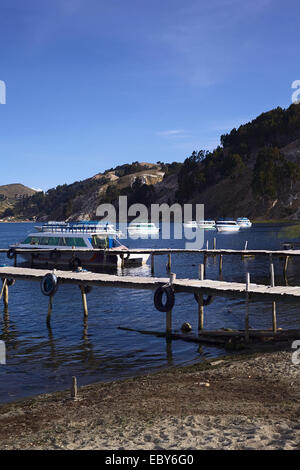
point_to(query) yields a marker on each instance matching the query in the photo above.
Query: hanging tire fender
(49, 284)
(170, 298)
(11, 253)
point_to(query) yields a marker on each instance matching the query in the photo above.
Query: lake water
(42, 359)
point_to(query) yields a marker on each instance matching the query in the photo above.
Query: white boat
(191, 224)
(244, 222)
(82, 239)
(142, 228)
(206, 224)
(227, 226)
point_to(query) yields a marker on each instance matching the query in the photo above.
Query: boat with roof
(227, 226)
(244, 222)
(142, 228)
(206, 224)
(84, 239)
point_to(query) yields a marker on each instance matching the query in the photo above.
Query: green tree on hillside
(273, 174)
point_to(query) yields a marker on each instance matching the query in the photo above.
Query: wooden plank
(163, 251)
(209, 287)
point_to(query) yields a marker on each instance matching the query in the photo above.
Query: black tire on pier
(170, 299)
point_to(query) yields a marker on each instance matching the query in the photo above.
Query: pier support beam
(286, 265)
(274, 318)
(4, 293)
(220, 264)
(152, 263)
(169, 263)
(169, 313)
(247, 308)
(84, 302)
(205, 262)
(122, 261)
(50, 306)
(200, 301)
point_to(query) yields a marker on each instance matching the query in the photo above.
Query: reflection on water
(42, 359)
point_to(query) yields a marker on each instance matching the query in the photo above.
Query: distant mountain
(255, 172)
(10, 196)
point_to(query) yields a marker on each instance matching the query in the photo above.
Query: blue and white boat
(244, 222)
(227, 226)
(82, 238)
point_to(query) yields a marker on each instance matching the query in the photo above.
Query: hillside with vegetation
(254, 172)
(11, 195)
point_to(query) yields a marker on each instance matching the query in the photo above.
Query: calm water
(42, 359)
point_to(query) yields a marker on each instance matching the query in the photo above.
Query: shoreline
(245, 401)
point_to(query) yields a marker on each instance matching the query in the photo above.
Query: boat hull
(54, 257)
(228, 229)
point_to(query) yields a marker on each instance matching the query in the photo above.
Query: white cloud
(171, 132)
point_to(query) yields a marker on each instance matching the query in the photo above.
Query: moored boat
(206, 224)
(142, 228)
(227, 226)
(244, 222)
(82, 238)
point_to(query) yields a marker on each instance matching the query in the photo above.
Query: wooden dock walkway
(285, 254)
(205, 287)
(169, 286)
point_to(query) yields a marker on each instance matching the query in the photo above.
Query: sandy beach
(239, 403)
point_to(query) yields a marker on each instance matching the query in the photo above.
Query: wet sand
(241, 402)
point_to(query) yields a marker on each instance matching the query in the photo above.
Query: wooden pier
(284, 254)
(170, 285)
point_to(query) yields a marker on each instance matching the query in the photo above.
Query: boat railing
(79, 229)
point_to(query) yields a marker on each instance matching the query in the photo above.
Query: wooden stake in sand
(74, 388)
(274, 319)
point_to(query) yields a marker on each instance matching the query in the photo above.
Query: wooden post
(220, 264)
(200, 300)
(152, 263)
(122, 261)
(169, 262)
(74, 388)
(5, 297)
(169, 322)
(84, 302)
(215, 243)
(4, 282)
(204, 261)
(50, 305)
(274, 319)
(286, 265)
(247, 308)
(245, 248)
(169, 313)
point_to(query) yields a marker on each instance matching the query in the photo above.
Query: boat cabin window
(74, 241)
(55, 241)
(102, 242)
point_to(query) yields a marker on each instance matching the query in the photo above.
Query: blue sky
(91, 84)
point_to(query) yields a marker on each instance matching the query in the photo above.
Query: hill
(255, 172)
(10, 196)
